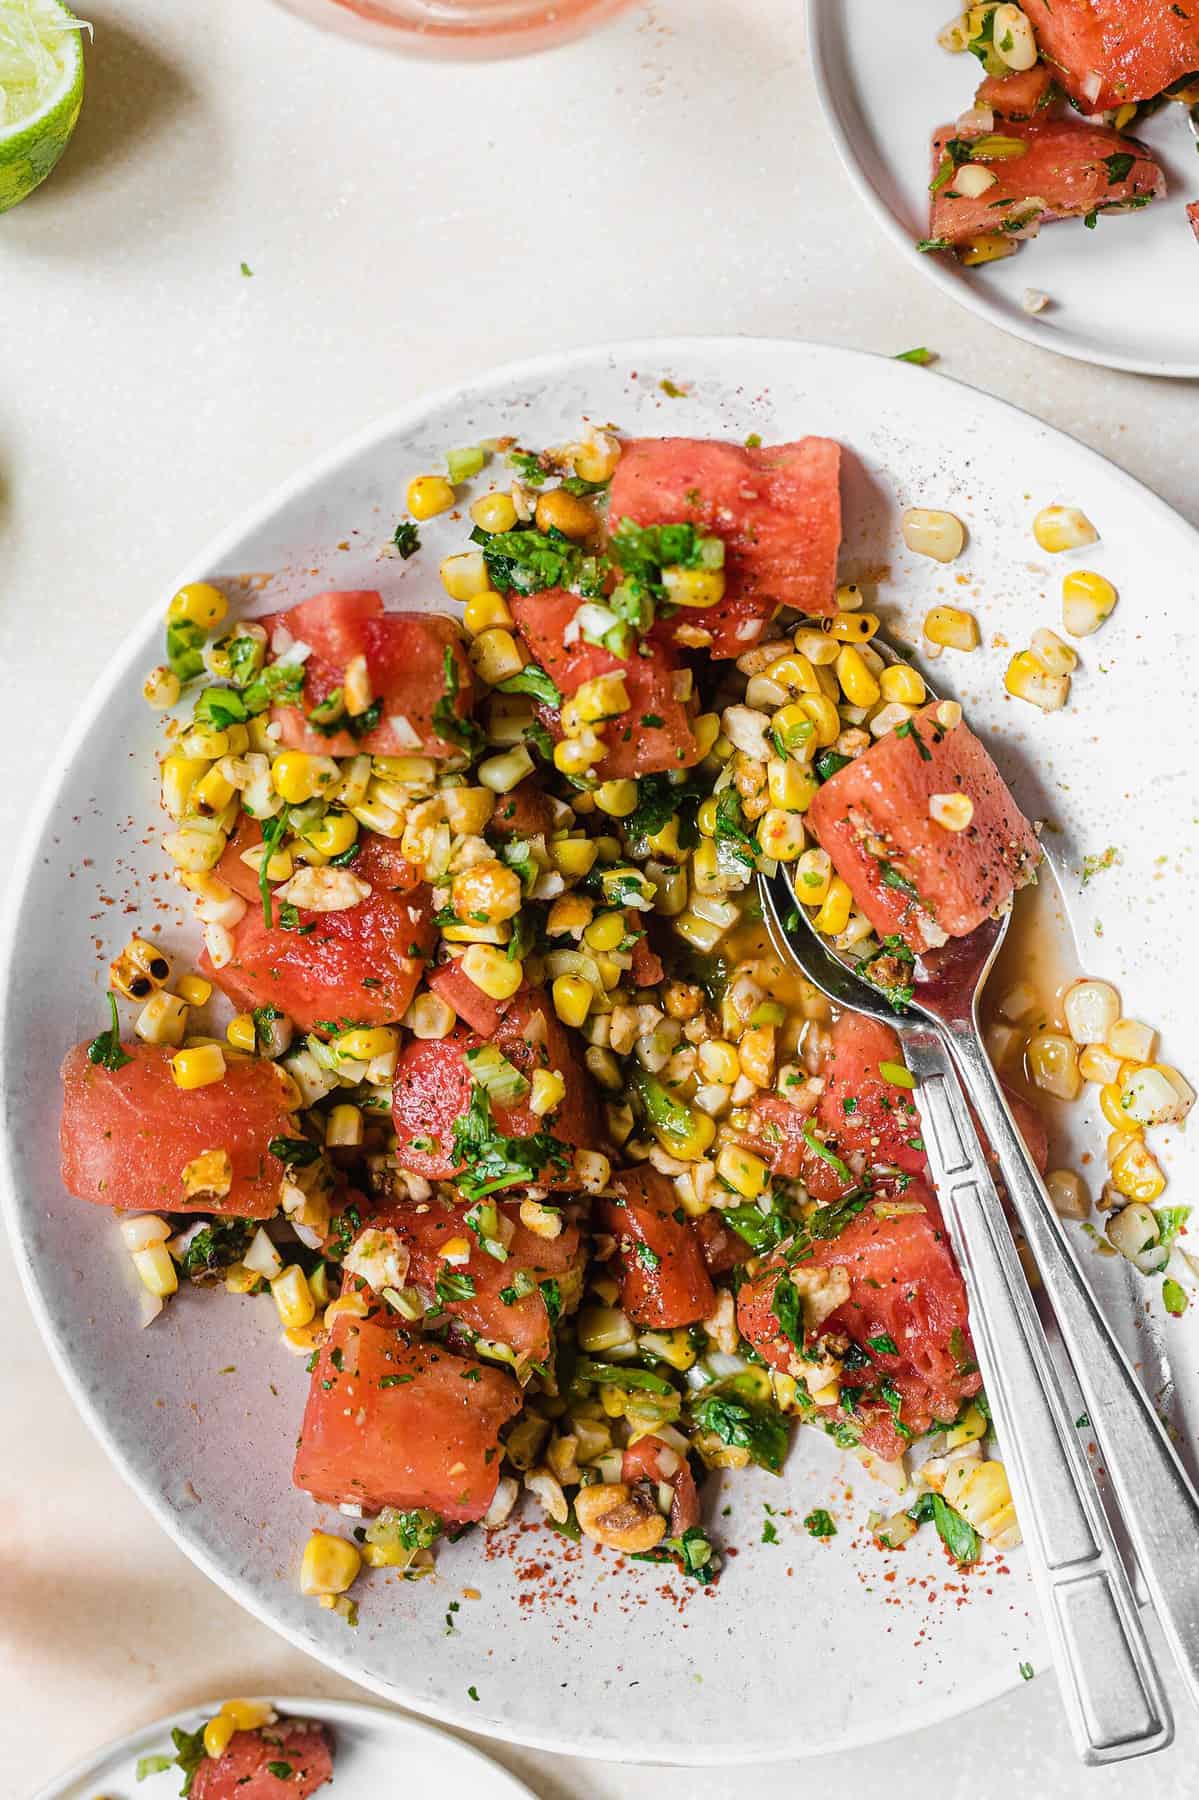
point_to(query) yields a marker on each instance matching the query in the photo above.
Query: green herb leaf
(406, 538)
(528, 561)
(455, 1284)
(956, 1533)
(449, 727)
(819, 1524)
(106, 1050)
(759, 1429)
(1174, 1297)
(532, 680)
(922, 357)
(295, 1152)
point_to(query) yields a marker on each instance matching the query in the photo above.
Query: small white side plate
(376, 1753)
(1125, 295)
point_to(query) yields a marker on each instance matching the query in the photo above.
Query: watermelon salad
(1050, 134)
(486, 1074)
(247, 1751)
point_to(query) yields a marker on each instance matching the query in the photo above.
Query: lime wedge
(41, 91)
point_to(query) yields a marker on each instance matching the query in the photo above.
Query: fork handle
(1113, 1698)
(1159, 1505)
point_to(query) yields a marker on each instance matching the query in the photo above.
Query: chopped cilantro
(105, 1050)
(759, 1429)
(455, 1284)
(532, 680)
(446, 723)
(819, 1524)
(956, 1533)
(406, 538)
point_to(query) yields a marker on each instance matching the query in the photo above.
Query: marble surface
(404, 224)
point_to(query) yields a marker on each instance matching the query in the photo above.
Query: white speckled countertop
(404, 224)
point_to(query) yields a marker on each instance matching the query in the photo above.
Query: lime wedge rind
(44, 106)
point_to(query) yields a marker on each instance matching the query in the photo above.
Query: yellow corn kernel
(853, 627)
(1111, 1105)
(494, 656)
(198, 604)
(980, 1491)
(1131, 1040)
(572, 997)
(364, 1042)
(429, 495)
(240, 1280)
(693, 587)
(795, 674)
(195, 852)
(198, 1067)
(813, 876)
(972, 1427)
(212, 793)
(1052, 653)
(464, 577)
(343, 1127)
(835, 908)
(217, 1735)
(705, 816)
(898, 682)
(353, 1305)
(333, 835)
(693, 1143)
(822, 712)
(1053, 1064)
(495, 974)
(1028, 679)
(705, 729)
(493, 513)
(952, 628)
(1060, 527)
(155, 1270)
(603, 697)
(617, 798)
(1135, 1173)
(574, 856)
(244, 1715)
(953, 812)
(500, 774)
(194, 990)
(241, 1032)
(163, 1019)
(570, 915)
(744, 1172)
(857, 683)
(595, 459)
(486, 612)
(575, 756)
(606, 932)
(542, 1221)
(665, 843)
(161, 688)
(179, 776)
(330, 1564)
(781, 834)
(1088, 600)
(940, 535)
(297, 776)
(293, 1297)
(547, 1091)
(985, 247)
(1098, 1064)
(791, 785)
(486, 893)
(850, 597)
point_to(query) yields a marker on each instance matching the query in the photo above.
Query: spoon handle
(1113, 1698)
(1159, 1505)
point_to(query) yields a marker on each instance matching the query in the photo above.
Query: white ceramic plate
(565, 1648)
(1122, 295)
(376, 1753)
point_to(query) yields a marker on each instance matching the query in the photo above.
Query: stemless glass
(460, 28)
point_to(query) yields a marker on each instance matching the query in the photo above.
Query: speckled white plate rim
(654, 352)
(820, 20)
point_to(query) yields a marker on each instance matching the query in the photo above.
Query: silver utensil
(1113, 1697)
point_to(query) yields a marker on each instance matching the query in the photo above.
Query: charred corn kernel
(298, 777)
(163, 1019)
(985, 247)
(194, 990)
(203, 741)
(343, 1127)
(179, 776)
(495, 974)
(853, 627)
(693, 587)
(1135, 1173)
(795, 674)
(705, 729)
(569, 915)
(940, 535)
(212, 793)
(835, 908)
(486, 892)
(364, 1042)
(898, 682)
(1096, 1063)
(606, 932)
(429, 495)
(617, 798)
(331, 1564)
(161, 688)
(1028, 679)
(813, 876)
(1087, 601)
(745, 1173)
(542, 1221)
(857, 683)
(969, 1430)
(547, 1091)
(198, 604)
(140, 968)
(574, 856)
(604, 697)
(198, 1067)
(1060, 527)
(781, 834)
(1053, 1064)
(293, 1297)
(155, 1270)
(952, 628)
(500, 774)
(486, 611)
(756, 1049)
(593, 1170)
(333, 834)
(493, 513)
(572, 997)
(465, 577)
(1052, 653)
(494, 656)
(241, 1032)
(953, 812)
(850, 597)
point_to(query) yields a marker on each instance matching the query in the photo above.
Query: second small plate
(1122, 295)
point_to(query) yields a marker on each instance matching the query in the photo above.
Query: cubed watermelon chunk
(127, 1134)
(1070, 167)
(663, 1277)
(911, 876)
(1107, 52)
(1193, 216)
(379, 861)
(288, 1760)
(1019, 95)
(777, 508)
(405, 661)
